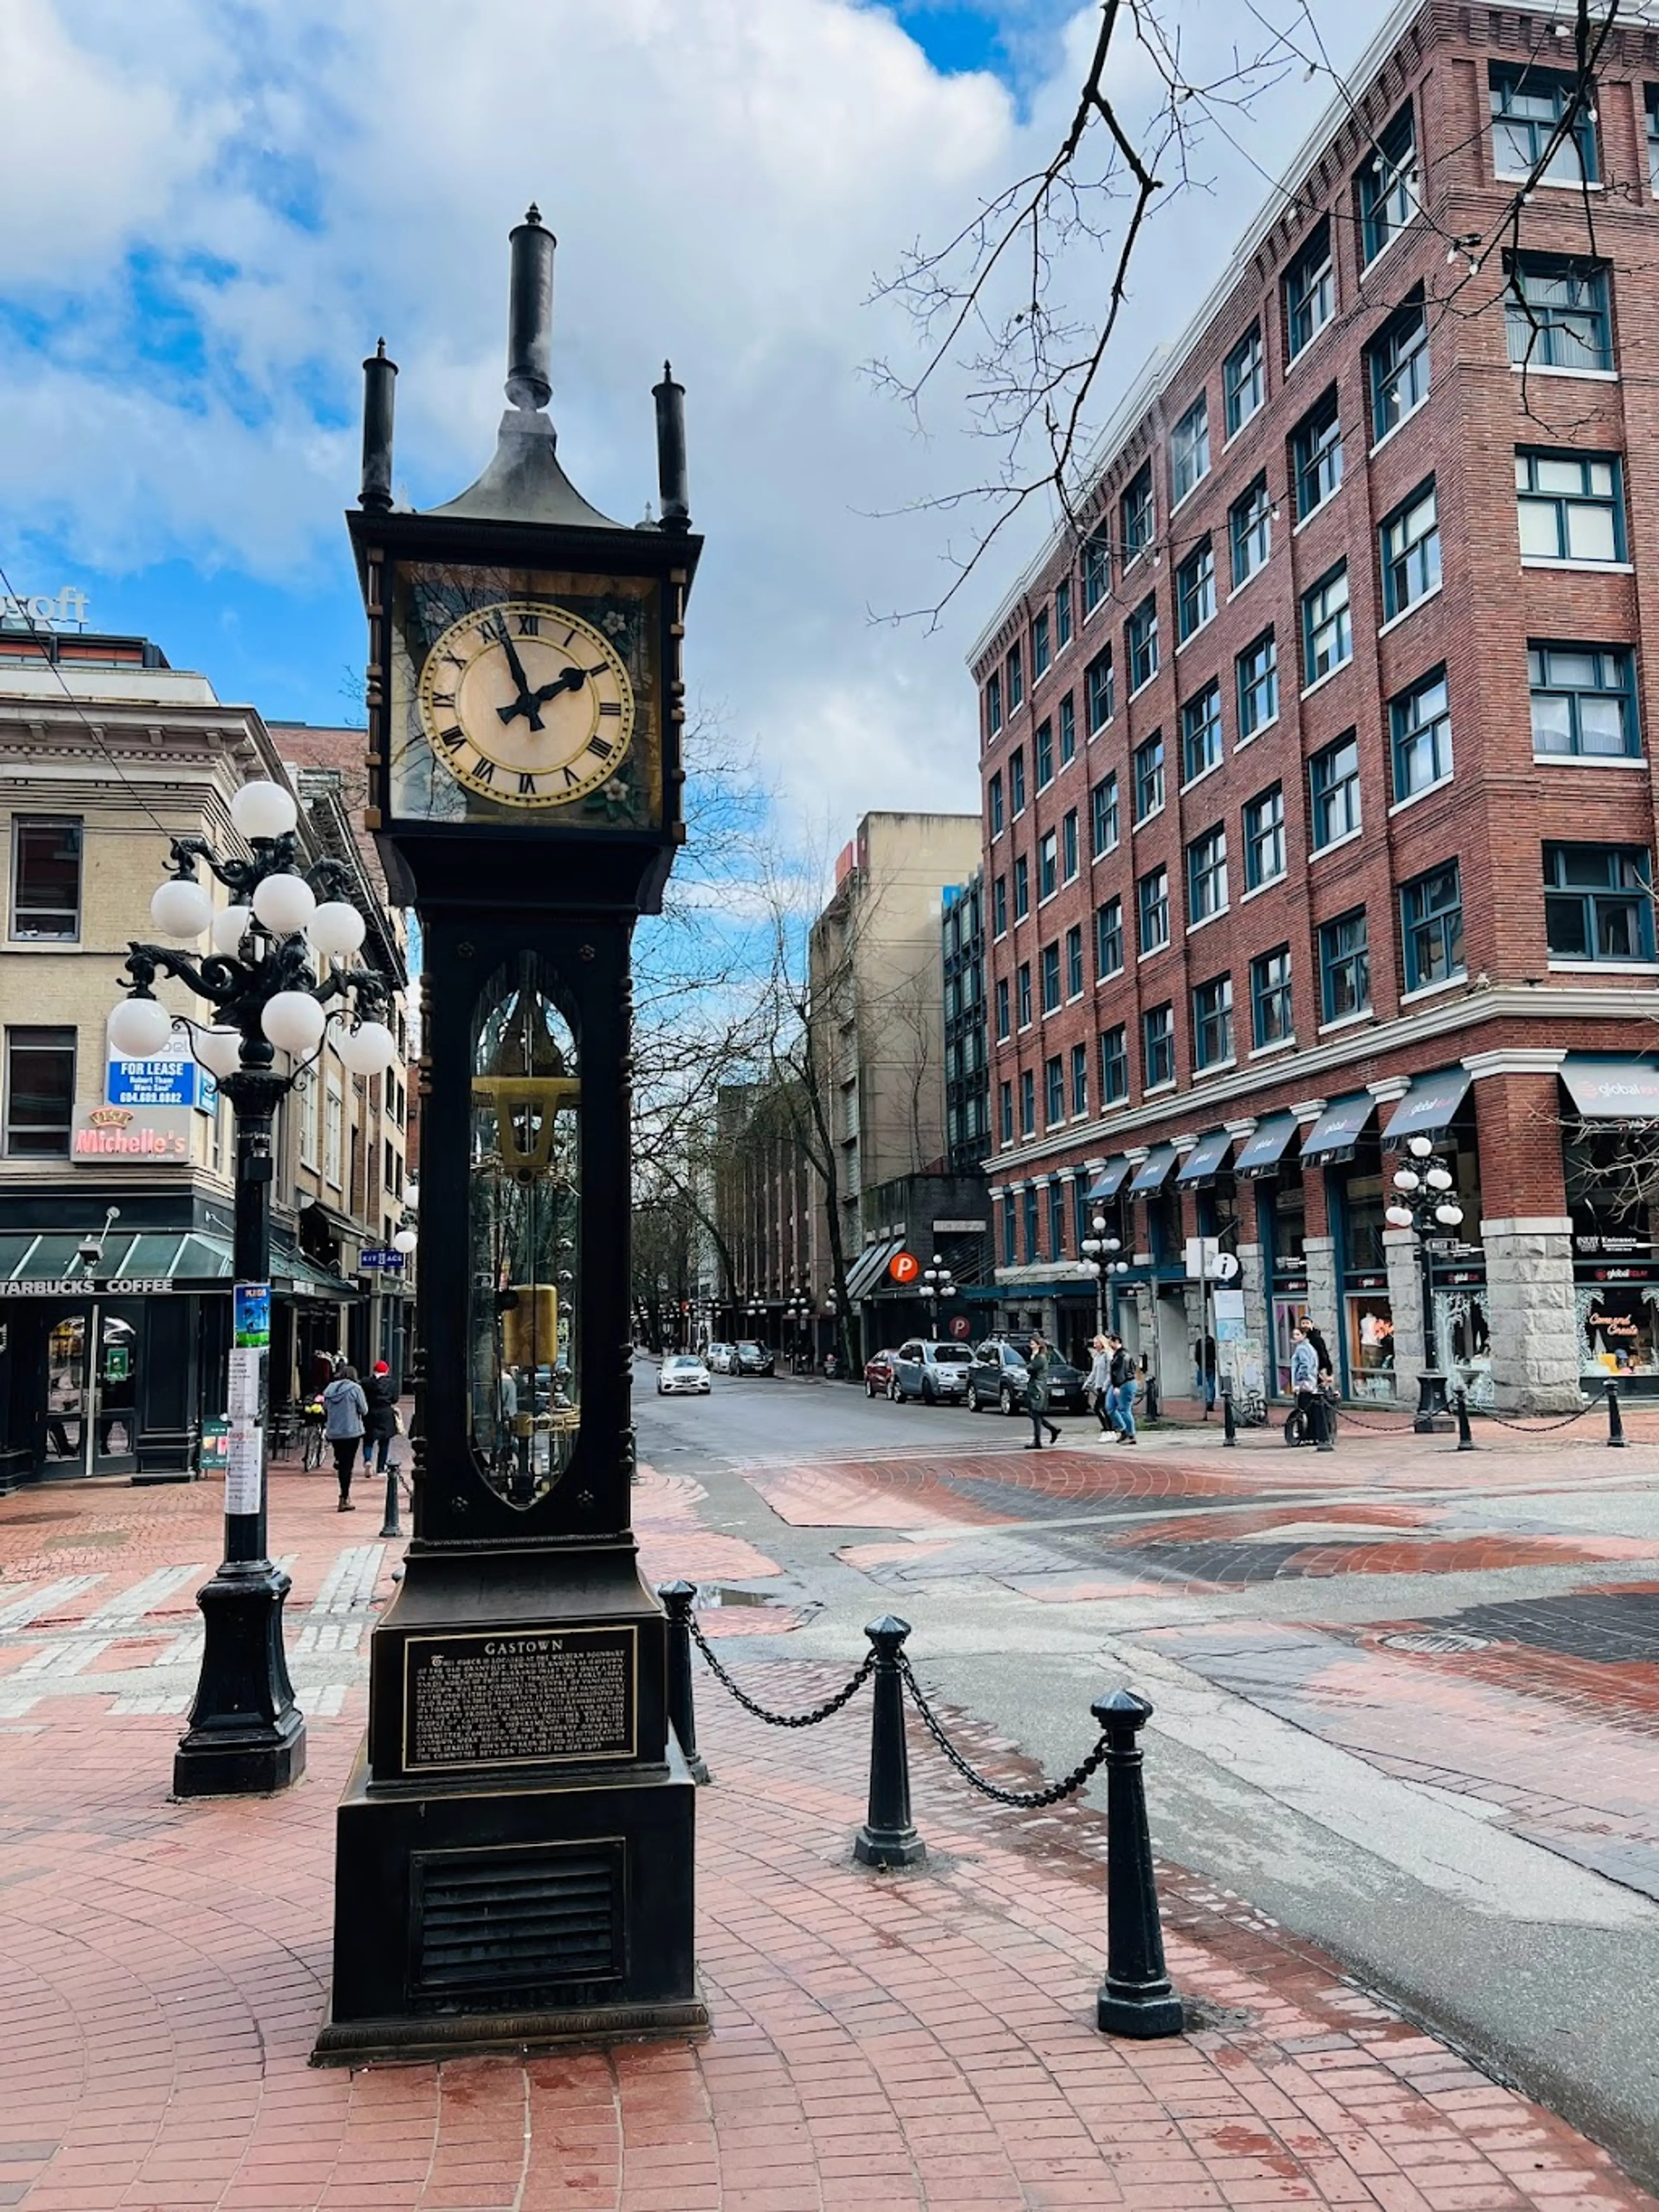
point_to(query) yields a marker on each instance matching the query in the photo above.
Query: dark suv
(997, 1377)
(753, 1359)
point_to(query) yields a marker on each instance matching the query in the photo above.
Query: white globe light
(181, 907)
(294, 1022)
(1406, 1179)
(337, 927)
(140, 1029)
(404, 1241)
(1439, 1179)
(284, 903)
(1398, 1217)
(1451, 1213)
(230, 926)
(264, 809)
(368, 1049)
(218, 1050)
(1420, 1148)
(411, 1196)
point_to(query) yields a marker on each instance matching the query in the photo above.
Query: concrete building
(1318, 775)
(115, 1176)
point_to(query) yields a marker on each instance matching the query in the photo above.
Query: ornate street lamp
(1101, 1251)
(937, 1282)
(270, 947)
(1425, 1205)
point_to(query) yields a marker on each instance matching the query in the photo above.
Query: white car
(684, 1374)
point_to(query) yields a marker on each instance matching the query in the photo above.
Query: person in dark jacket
(1123, 1392)
(1037, 1394)
(345, 1411)
(381, 1422)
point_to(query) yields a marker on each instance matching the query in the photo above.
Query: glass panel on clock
(523, 1325)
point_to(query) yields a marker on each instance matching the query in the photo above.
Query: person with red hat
(380, 1424)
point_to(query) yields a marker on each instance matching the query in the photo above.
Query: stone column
(1405, 1265)
(1323, 1302)
(1527, 1233)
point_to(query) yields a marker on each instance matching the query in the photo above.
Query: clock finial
(671, 450)
(380, 376)
(529, 324)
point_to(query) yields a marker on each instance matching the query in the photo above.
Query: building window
(1153, 893)
(1074, 961)
(1141, 642)
(1388, 186)
(1149, 775)
(1062, 616)
(1555, 312)
(1598, 903)
(1098, 692)
(1031, 1210)
(310, 1114)
(1194, 590)
(1006, 1120)
(1053, 1090)
(1431, 927)
(1571, 507)
(1326, 627)
(1243, 380)
(1109, 937)
(333, 1136)
(1409, 540)
(1419, 724)
(1397, 365)
(999, 906)
(993, 703)
(1135, 516)
(1316, 455)
(1010, 1250)
(1206, 875)
(1583, 702)
(997, 816)
(1017, 782)
(39, 1092)
(1200, 733)
(1270, 998)
(1068, 859)
(1067, 718)
(1039, 655)
(1212, 1021)
(1016, 680)
(1257, 668)
(1249, 531)
(1264, 837)
(1158, 1046)
(1345, 966)
(45, 877)
(1189, 448)
(1056, 1218)
(1309, 291)
(1003, 1026)
(1051, 978)
(1079, 1078)
(1103, 815)
(1048, 865)
(1528, 107)
(1652, 104)
(1097, 569)
(1114, 1066)
(1334, 779)
(1043, 754)
(1027, 1105)
(1023, 992)
(1022, 888)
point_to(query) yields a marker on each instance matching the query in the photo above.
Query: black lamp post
(1425, 1205)
(937, 1282)
(796, 1310)
(247, 1735)
(1102, 1249)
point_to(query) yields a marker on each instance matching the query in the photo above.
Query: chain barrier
(1384, 1428)
(842, 1696)
(1543, 1429)
(1028, 1801)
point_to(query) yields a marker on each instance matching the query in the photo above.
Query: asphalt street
(1536, 1963)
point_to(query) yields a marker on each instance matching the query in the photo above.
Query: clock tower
(514, 1851)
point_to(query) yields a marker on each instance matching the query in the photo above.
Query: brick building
(1317, 773)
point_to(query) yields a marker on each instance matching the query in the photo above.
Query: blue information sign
(380, 1257)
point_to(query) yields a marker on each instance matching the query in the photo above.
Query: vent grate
(512, 1923)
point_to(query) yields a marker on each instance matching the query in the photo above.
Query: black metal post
(1136, 1997)
(1324, 1420)
(678, 1600)
(1229, 1420)
(1615, 1417)
(389, 1524)
(1430, 1382)
(887, 1838)
(246, 1735)
(1465, 1435)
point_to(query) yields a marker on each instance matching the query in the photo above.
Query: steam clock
(514, 1849)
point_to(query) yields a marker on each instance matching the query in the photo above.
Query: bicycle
(310, 1441)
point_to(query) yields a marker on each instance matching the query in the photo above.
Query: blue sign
(152, 1083)
(381, 1256)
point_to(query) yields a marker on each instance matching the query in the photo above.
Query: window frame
(1387, 186)
(1409, 566)
(1015, 668)
(1140, 644)
(999, 817)
(1114, 1065)
(998, 907)
(1097, 569)
(1195, 591)
(1637, 896)
(1528, 80)
(1017, 783)
(1043, 754)
(1137, 509)
(1212, 1022)
(1563, 505)
(1041, 654)
(1105, 819)
(1421, 925)
(1540, 652)
(1251, 518)
(1049, 983)
(993, 702)
(1327, 792)
(25, 825)
(1062, 614)
(1316, 455)
(1053, 1089)
(1152, 910)
(1206, 875)
(1065, 722)
(1148, 776)
(1190, 450)
(56, 1040)
(1158, 1046)
(1047, 866)
(1022, 887)
(1004, 1009)
(1080, 1079)
(1271, 996)
(1392, 369)
(1028, 1102)
(1309, 285)
(1023, 1015)
(1320, 616)
(1075, 978)
(1544, 338)
(1208, 729)
(1110, 958)
(1264, 832)
(1408, 730)
(1248, 686)
(1335, 956)
(1069, 847)
(1245, 368)
(1099, 689)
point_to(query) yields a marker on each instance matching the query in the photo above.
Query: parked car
(684, 1374)
(718, 1358)
(878, 1374)
(934, 1370)
(996, 1377)
(753, 1359)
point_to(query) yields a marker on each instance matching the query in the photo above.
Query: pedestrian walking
(1304, 1381)
(1037, 1394)
(380, 1423)
(1100, 1383)
(1123, 1403)
(345, 1409)
(1203, 1372)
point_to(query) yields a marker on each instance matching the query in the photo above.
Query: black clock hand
(526, 701)
(572, 679)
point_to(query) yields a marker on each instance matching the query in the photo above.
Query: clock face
(524, 700)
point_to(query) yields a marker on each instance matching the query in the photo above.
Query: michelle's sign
(147, 1136)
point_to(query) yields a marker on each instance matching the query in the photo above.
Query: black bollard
(390, 1524)
(678, 1600)
(1615, 1417)
(1324, 1416)
(1136, 1998)
(1229, 1424)
(887, 1838)
(1465, 1437)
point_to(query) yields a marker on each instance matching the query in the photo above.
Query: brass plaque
(519, 1697)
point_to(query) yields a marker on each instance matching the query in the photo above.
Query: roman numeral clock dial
(526, 703)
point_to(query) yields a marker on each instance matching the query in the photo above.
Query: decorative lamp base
(1146, 2014)
(888, 1847)
(246, 1736)
(1433, 1415)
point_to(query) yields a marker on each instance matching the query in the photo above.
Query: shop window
(1397, 367)
(1529, 105)
(1194, 590)
(1149, 775)
(1270, 998)
(1212, 1022)
(1152, 898)
(1114, 1066)
(1043, 754)
(1200, 733)
(1066, 715)
(46, 878)
(1327, 626)
(39, 1092)
(1598, 903)
(1135, 516)
(1618, 1328)
(1583, 702)
(1074, 961)
(1345, 966)
(1141, 642)
(1062, 615)
(1570, 506)
(1109, 937)
(1040, 650)
(1249, 531)
(1431, 927)
(1051, 978)
(1189, 448)
(1309, 291)
(1334, 782)
(1244, 379)
(1369, 1314)
(1103, 828)
(1317, 456)
(1419, 724)
(1556, 312)
(1388, 186)
(998, 817)
(1264, 837)
(1257, 668)
(1053, 1089)
(1409, 540)
(1079, 1078)
(1158, 1046)
(1206, 875)
(1097, 570)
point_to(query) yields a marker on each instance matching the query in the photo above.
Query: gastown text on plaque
(519, 1697)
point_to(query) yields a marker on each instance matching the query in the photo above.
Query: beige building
(115, 1176)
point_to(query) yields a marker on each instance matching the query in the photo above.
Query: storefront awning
(1263, 1149)
(1611, 1090)
(1108, 1183)
(867, 1270)
(1154, 1170)
(1427, 1107)
(293, 1275)
(1338, 1130)
(1203, 1164)
(39, 1263)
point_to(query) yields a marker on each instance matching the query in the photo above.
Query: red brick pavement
(917, 2041)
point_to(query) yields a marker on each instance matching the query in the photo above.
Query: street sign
(381, 1257)
(960, 1325)
(904, 1266)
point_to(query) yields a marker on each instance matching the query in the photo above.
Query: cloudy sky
(214, 207)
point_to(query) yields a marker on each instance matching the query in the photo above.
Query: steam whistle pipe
(529, 315)
(674, 509)
(380, 384)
